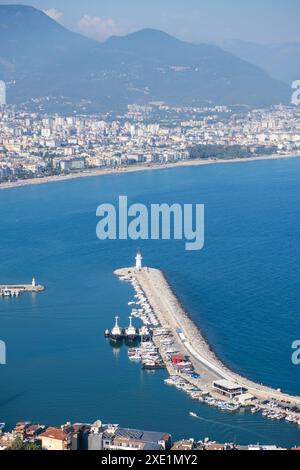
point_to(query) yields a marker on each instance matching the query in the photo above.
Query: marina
(177, 344)
(148, 351)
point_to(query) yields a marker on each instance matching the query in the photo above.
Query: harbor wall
(171, 314)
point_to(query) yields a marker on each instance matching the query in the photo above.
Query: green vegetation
(32, 446)
(228, 152)
(18, 444)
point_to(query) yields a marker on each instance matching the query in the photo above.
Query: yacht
(144, 333)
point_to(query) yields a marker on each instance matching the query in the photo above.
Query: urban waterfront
(242, 289)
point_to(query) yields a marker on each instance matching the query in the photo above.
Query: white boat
(131, 332)
(193, 415)
(135, 357)
(116, 333)
(169, 381)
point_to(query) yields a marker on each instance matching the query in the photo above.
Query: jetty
(14, 290)
(215, 377)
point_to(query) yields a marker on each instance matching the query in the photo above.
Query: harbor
(192, 365)
(16, 289)
(69, 319)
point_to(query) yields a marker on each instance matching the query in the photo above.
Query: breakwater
(189, 338)
(14, 290)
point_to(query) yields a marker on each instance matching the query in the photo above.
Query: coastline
(140, 168)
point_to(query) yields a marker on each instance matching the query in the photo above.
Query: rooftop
(183, 445)
(145, 436)
(227, 384)
(54, 433)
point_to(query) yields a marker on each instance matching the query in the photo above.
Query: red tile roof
(54, 433)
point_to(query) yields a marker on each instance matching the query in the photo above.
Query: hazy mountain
(281, 61)
(46, 59)
(42, 56)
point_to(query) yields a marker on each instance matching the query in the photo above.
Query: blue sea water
(243, 290)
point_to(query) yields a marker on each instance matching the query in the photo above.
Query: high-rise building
(2, 93)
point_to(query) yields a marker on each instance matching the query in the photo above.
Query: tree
(32, 446)
(17, 444)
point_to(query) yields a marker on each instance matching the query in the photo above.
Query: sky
(264, 21)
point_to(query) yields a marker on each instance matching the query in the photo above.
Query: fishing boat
(152, 365)
(131, 332)
(116, 333)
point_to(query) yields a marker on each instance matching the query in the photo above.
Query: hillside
(41, 58)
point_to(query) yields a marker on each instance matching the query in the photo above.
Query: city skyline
(205, 21)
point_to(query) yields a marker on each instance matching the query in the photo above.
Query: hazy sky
(195, 20)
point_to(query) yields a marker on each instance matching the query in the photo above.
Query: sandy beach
(139, 168)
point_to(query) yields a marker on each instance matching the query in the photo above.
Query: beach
(138, 168)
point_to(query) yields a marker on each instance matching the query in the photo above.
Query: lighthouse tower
(138, 261)
(33, 283)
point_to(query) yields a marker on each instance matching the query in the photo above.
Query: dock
(14, 290)
(190, 341)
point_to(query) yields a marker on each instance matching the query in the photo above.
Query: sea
(242, 289)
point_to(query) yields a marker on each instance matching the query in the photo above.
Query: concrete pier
(14, 290)
(189, 338)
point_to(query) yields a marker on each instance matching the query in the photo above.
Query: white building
(228, 389)
(2, 93)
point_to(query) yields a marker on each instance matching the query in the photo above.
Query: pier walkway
(14, 290)
(189, 337)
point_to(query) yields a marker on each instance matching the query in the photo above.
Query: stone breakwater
(188, 335)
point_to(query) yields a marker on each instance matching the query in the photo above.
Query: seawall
(190, 338)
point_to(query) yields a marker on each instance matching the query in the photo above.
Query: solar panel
(131, 433)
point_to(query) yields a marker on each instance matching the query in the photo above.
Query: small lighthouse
(138, 261)
(33, 282)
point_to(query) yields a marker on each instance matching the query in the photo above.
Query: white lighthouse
(138, 261)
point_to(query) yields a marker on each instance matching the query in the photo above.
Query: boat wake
(229, 426)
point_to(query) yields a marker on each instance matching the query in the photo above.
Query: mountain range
(281, 61)
(41, 58)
